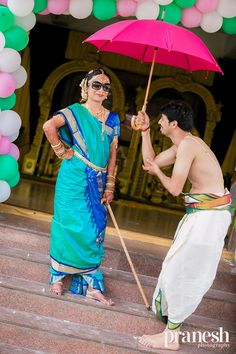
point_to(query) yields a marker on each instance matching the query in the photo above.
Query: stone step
(124, 317)
(58, 337)
(119, 284)
(34, 266)
(52, 335)
(145, 263)
(31, 307)
(6, 348)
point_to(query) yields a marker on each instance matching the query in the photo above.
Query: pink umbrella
(155, 41)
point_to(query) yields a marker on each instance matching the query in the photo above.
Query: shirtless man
(190, 266)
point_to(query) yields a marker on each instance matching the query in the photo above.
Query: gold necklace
(100, 115)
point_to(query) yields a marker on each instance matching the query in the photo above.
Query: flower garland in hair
(84, 90)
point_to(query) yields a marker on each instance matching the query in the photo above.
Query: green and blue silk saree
(79, 220)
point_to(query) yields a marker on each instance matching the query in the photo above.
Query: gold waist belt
(90, 164)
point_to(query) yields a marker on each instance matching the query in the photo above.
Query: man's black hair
(181, 112)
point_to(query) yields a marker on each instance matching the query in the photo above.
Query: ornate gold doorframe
(129, 177)
(45, 101)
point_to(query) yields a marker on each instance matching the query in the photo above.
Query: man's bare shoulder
(187, 147)
(187, 142)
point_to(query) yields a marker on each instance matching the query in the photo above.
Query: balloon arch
(18, 17)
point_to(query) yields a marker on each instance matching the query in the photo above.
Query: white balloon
(147, 10)
(20, 76)
(227, 8)
(26, 22)
(5, 191)
(13, 137)
(20, 8)
(211, 22)
(80, 8)
(10, 123)
(2, 41)
(163, 2)
(10, 60)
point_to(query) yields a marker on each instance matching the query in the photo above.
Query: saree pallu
(79, 220)
(190, 266)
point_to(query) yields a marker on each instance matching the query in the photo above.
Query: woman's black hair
(95, 72)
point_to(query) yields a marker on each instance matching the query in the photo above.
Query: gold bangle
(110, 188)
(60, 152)
(111, 177)
(112, 180)
(110, 183)
(59, 148)
(61, 156)
(57, 145)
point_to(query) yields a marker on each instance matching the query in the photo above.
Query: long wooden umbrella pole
(128, 258)
(149, 80)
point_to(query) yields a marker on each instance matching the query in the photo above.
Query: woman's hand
(107, 197)
(68, 154)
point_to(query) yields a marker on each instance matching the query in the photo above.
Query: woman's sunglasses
(96, 85)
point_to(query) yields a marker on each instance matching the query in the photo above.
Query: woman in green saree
(85, 184)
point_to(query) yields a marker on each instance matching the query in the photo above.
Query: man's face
(165, 125)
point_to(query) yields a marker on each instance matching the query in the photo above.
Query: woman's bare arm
(51, 131)
(51, 128)
(108, 195)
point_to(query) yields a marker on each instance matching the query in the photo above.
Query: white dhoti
(190, 266)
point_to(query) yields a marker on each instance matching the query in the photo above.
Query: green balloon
(40, 5)
(173, 13)
(229, 25)
(6, 18)
(9, 168)
(104, 9)
(15, 180)
(7, 102)
(185, 3)
(16, 38)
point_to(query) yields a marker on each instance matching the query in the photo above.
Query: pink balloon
(44, 12)
(126, 8)
(14, 151)
(5, 145)
(191, 17)
(206, 5)
(7, 84)
(57, 7)
(3, 2)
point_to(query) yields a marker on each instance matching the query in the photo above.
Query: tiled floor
(130, 215)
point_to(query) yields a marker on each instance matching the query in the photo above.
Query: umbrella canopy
(157, 42)
(138, 39)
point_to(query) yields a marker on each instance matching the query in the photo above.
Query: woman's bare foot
(57, 288)
(98, 296)
(164, 340)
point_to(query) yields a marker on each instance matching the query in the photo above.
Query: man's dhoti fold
(190, 266)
